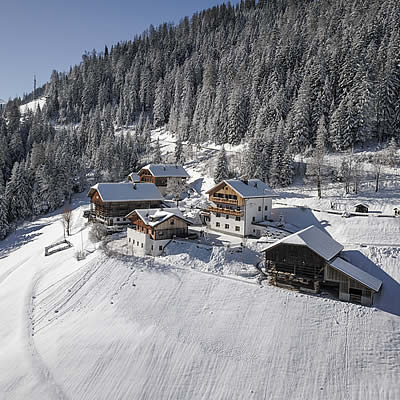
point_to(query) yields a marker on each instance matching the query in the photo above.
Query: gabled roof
(155, 216)
(247, 189)
(111, 192)
(315, 239)
(356, 273)
(134, 177)
(166, 170)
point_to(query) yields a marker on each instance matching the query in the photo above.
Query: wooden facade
(299, 267)
(107, 211)
(296, 265)
(172, 227)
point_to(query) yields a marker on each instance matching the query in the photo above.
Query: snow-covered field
(195, 324)
(144, 328)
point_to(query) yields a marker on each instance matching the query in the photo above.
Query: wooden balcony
(223, 200)
(236, 213)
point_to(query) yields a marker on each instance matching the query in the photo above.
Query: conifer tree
(221, 171)
(157, 158)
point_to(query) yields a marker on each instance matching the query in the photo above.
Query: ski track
(39, 367)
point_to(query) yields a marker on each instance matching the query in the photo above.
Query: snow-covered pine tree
(3, 213)
(157, 158)
(221, 171)
(179, 156)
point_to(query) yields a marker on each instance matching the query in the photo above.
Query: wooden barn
(152, 229)
(163, 175)
(111, 202)
(310, 260)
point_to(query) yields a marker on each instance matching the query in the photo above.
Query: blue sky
(40, 36)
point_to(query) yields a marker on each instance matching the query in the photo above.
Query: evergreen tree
(221, 171)
(157, 158)
(179, 158)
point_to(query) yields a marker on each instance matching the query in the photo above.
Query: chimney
(255, 184)
(134, 185)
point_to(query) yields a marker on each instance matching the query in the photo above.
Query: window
(160, 248)
(226, 226)
(259, 208)
(172, 222)
(117, 219)
(266, 218)
(227, 216)
(266, 208)
(254, 219)
(218, 215)
(237, 218)
(217, 224)
(137, 243)
(152, 247)
(161, 233)
(237, 228)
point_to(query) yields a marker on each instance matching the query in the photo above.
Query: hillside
(163, 328)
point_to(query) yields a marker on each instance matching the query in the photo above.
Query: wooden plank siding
(119, 208)
(225, 194)
(173, 226)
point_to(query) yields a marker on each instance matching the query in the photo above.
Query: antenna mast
(34, 87)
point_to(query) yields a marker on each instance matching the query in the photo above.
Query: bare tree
(67, 221)
(97, 232)
(346, 171)
(357, 174)
(377, 162)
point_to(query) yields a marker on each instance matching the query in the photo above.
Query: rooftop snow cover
(134, 177)
(154, 216)
(167, 170)
(315, 239)
(110, 192)
(356, 273)
(249, 189)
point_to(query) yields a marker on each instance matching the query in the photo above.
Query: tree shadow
(20, 237)
(299, 218)
(388, 298)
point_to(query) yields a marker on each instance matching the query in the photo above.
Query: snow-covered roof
(315, 239)
(110, 192)
(167, 170)
(248, 189)
(134, 177)
(155, 216)
(356, 273)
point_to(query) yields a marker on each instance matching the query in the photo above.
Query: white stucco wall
(260, 209)
(142, 244)
(231, 221)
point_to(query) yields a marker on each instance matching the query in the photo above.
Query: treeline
(42, 166)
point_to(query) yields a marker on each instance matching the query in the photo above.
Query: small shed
(361, 208)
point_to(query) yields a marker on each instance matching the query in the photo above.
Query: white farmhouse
(153, 229)
(238, 205)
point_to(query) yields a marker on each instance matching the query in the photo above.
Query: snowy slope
(142, 328)
(33, 105)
